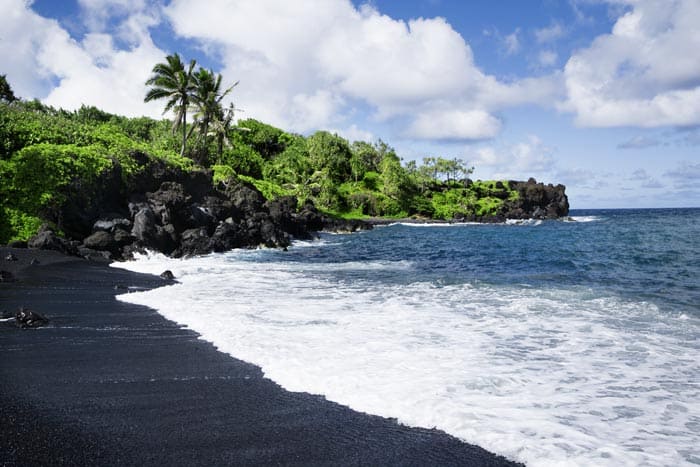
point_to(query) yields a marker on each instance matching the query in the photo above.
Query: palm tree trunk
(184, 134)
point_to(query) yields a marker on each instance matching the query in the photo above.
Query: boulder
(193, 242)
(25, 318)
(48, 240)
(170, 204)
(167, 275)
(227, 236)
(149, 234)
(102, 241)
(245, 198)
(110, 224)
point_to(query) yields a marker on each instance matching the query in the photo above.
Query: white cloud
(550, 33)
(686, 174)
(521, 160)
(92, 72)
(354, 133)
(512, 42)
(641, 74)
(547, 58)
(353, 57)
(639, 142)
(645, 180)
(455, 125)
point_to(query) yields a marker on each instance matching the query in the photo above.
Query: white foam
(583, 219)
(524, 222)
(547, 377)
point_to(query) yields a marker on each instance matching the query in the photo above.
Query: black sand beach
(109, 383)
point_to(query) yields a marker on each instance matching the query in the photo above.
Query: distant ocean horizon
(567, 342)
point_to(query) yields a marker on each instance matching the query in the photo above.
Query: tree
(6, 93)
(173, 82)
(331, 153)
(221, 124)
(207, 99)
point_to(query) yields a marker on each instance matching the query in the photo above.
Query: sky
(602, 96)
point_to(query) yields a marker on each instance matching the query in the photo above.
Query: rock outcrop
(537, 201)
(184, 215)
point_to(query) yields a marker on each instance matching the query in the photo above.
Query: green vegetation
(48, 155)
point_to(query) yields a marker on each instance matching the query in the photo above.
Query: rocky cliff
(183, 213)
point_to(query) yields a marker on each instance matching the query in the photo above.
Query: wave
(583, 219)
(543, 376)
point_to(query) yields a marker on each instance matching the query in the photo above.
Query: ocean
(550, 342)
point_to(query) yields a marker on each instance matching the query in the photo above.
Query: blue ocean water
(650, 254)
(553, 343)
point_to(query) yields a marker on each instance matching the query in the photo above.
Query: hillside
(66, 171)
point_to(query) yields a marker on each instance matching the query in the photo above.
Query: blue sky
(600, 95)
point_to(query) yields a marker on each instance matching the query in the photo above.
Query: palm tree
(222, 124)
(172, 81)
(207, 99)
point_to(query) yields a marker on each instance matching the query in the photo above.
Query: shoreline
(107, 382)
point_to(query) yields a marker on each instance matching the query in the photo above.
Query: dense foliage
(47, 154)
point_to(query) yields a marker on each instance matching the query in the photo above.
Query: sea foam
(544, 376)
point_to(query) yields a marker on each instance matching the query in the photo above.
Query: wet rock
(309, 219)
(537, 201)
(11, 257)
(25, 318)
(18, 244)
(193, 242)
(167, 275)
(227, 236)
(35, 262)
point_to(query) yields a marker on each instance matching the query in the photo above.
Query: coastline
(107, 382)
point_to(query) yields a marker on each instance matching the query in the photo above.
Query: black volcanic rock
(537, 201)
(245, 198)
(48, 240)
(102, 241)
(25, 318)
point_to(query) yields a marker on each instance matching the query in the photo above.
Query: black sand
(109, 383)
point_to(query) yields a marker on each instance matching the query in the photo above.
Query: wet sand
(110, 383)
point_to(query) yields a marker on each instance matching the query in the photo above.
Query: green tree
(331, 154)
(207, 99)
(6, 93)
(221, 125)
(172, 81)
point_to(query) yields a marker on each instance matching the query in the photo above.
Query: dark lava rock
(102, 241)
(18, 244)
(11, 257)
(48, 240)
(245, 198)
(537, 201)
(170, 204)
(34, 262)
(193, 242)
(110, 224)
(151, 235)
(95, 255)
(227, 236)
(25, 318)
(167, 275)
(7, 276)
